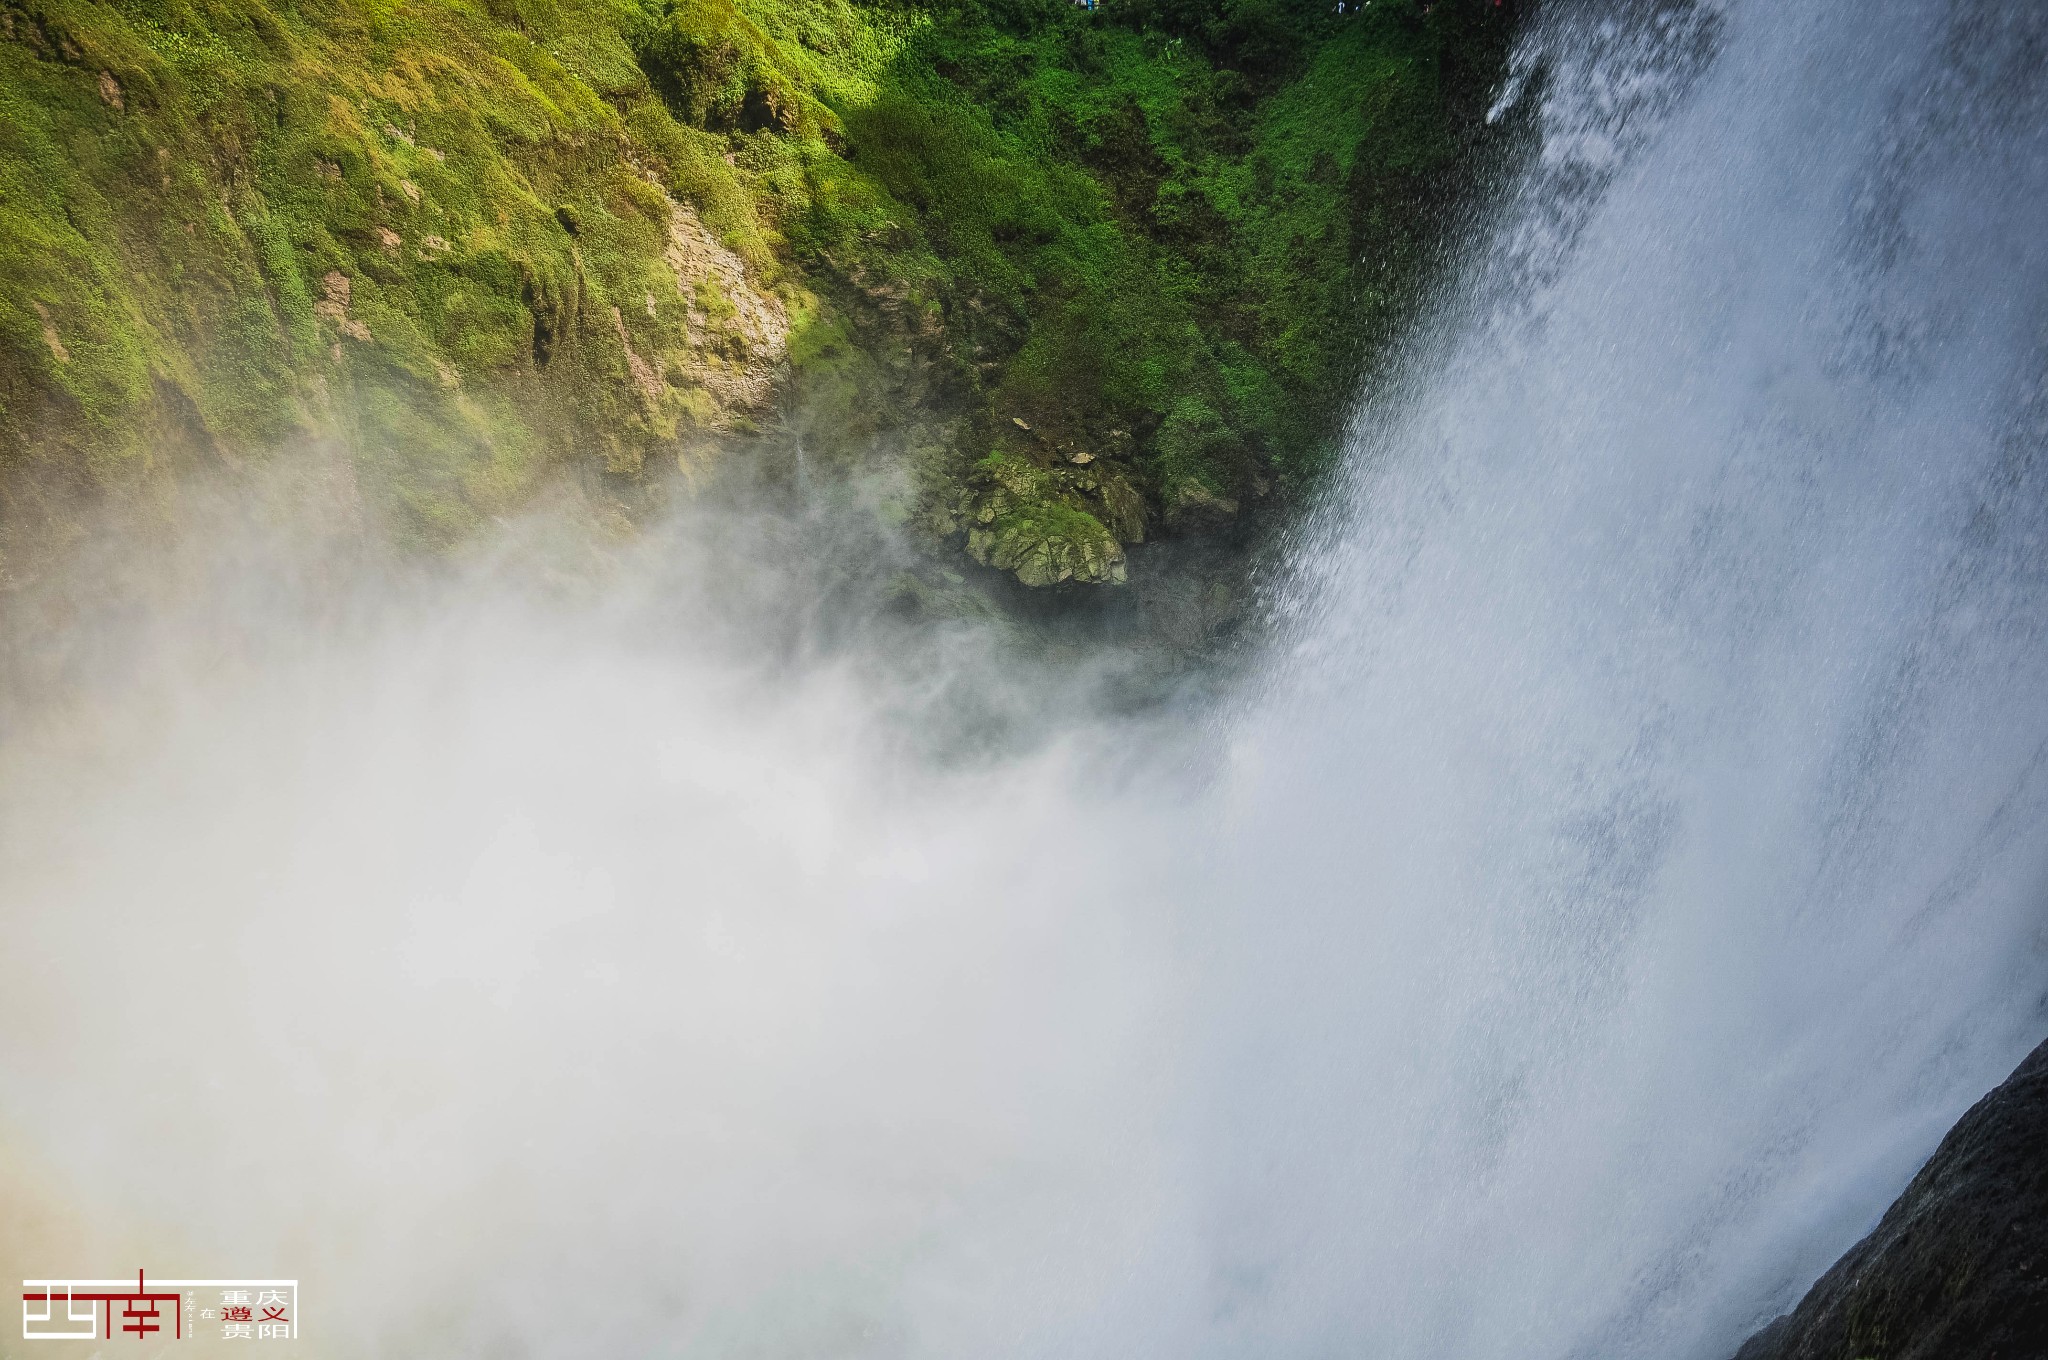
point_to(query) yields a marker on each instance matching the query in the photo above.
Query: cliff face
(1079, 277)
(1959, 1265)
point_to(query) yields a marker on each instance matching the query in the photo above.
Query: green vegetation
(1086, 275)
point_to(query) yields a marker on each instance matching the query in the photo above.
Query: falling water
(1644, 855)
(1628, 860)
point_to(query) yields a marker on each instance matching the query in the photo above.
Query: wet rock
(1958, 1267)
(1044, 546)
(1192, 508)
(1052, 524)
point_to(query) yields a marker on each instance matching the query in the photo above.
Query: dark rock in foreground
(1959, 1265)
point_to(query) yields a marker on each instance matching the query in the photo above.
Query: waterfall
(1639, 859)
(1626, 859)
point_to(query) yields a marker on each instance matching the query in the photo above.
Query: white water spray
(1632, 861)
(1647, 855)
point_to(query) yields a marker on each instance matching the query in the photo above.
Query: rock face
(878, 240)
(1958, 1268)
(738, 330)
(1050, 523)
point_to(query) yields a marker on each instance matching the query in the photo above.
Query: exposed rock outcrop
(1048, 523)
(1958, 1267)
(739, 333)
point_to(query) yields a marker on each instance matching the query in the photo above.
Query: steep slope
(1084, 275)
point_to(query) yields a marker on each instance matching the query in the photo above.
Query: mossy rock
(1194, 507)
(1047, 523)
(1138, 228)
(1045, 544)
(718, 69)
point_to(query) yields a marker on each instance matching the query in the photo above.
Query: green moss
(1164, 235)
(1050, 523)
(1045, 544)
(1146, 228)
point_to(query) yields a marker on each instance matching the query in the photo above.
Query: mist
(1619, 863)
